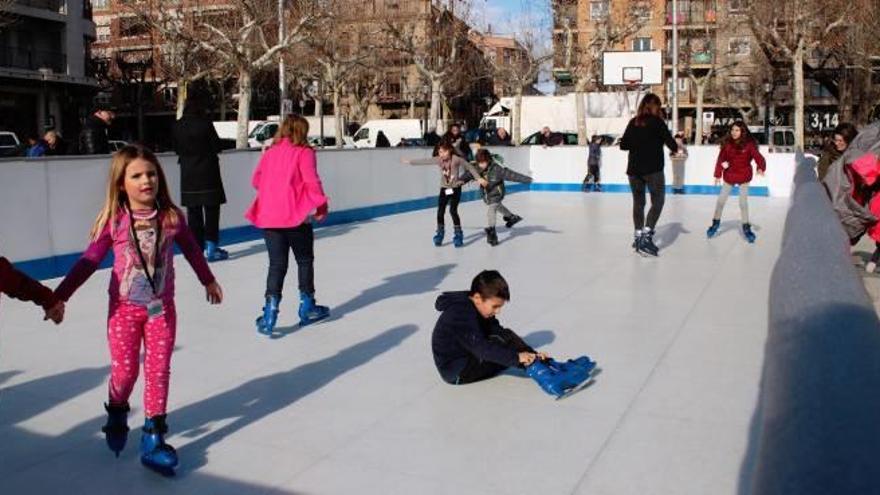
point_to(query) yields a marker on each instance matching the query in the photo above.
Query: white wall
(49, 204)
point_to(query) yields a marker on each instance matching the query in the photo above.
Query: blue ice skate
(155, 453)
(266, 322)
(438, 236)
(310, 311)
(747, 232)
(712, 231)
(458, 238)
(214, 253)
(549, 380)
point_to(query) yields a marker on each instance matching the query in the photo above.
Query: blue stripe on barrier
(56, 266)
(624, 188)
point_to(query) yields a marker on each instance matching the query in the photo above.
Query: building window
(817, 89)
(739, 47)
(682, 85)
(641, 44)
(130, 27)
(598, 10)
(738, 5)
(99, 4)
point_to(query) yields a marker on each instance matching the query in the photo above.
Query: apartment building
(46, 79)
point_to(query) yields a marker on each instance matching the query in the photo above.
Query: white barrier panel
(568, 165)
(49, 204)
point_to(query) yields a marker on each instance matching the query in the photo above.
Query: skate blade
(165, 471)
(583, 385)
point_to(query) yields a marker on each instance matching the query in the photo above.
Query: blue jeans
(279, 243)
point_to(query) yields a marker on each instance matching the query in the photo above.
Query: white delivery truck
(394, 130)
(265, 130)
(606, 113)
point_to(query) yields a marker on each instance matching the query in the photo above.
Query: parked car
(413, 142)
(558, 138)
(9, 144)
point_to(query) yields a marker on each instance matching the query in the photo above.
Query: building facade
(46, 78)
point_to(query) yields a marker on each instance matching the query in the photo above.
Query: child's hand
(526, 358)
(717, 182)
(483, 182)
(543, 356)
(321, 214)
(55, 313)
(214, 293)
(724, 165)
(760, 172)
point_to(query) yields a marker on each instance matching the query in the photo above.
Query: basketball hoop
(632, 83)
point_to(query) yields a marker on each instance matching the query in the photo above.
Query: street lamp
(768, 90)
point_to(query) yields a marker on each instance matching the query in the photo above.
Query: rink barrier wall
(50, 203)
(815, 429)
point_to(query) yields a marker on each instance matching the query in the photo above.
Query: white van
(394, 129)
(783, 137)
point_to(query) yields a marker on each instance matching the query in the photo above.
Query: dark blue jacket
(462, 333)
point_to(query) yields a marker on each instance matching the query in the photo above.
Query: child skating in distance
(470, 345)
(594, 163)
(140, 224)
(734, 167)
(19, 286)
(493, 191)
(450, 166)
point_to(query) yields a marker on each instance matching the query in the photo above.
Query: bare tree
(363, 90)
(6, 16)
(181, 60)
(243, 34)
(337, 55)
(791, 32)
(583, 57)
(860, 60)
(520, 70)
(434, 43)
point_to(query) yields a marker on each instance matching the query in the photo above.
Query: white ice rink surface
(355, 405)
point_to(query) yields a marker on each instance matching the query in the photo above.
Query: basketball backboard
(623, 68)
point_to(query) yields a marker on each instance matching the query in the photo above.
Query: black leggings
(452, 200)
(204, 222)
(656, 184)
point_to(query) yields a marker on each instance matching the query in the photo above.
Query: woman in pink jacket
(288, 191)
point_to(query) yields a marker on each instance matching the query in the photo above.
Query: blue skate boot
(438, 236)
(549, 380)
(747, 232)
(458, 238)
(116, 428)
(713, 229)
(155, 453)
(266, 322)
(214, 253)
(310, 311)
(583, 364)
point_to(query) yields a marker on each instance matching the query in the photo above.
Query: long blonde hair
(116, 201)
(295, 129)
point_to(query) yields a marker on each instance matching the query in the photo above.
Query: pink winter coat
(868, 168)
(288, 187)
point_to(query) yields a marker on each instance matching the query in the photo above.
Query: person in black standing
(456, 139)
(644, 138)
(201, 187)
(93, 139)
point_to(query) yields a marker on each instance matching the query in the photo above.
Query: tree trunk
(319, 112)
(181, 96)
(701, 96)
(516, 118)
(222, 100)
(245, 86)
(434, 113)
(412, 106)
(845, 96)
(868, 101)
(580, 95)
(337, 118)
(140, 111)
(798, 62)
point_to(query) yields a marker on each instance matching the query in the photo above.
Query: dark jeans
(593, 173)
(204, 222)
(452, 200)
(279, 243)
(656, 185)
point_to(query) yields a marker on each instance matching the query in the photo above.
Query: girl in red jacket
(734, 165)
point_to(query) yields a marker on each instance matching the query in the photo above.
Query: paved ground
(354, 405)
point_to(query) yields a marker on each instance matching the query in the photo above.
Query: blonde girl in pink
(140, 223)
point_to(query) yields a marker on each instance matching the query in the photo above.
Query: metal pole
(321, 102)
(767, 116)
(675, 67)
(282, 85)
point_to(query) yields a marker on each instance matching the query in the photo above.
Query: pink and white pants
(128, 325)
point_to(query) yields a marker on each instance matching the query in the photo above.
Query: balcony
(692, 59)
(695, 14)
(57, 6)
(33, 60)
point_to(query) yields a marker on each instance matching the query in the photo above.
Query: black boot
(491, 236)
(512, 220)
(116, 428)
(647, 244)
